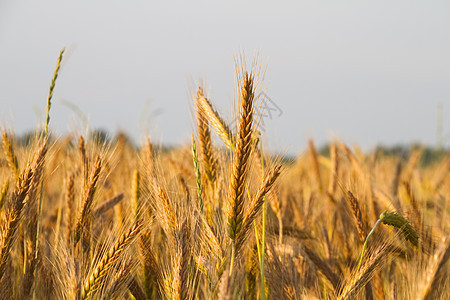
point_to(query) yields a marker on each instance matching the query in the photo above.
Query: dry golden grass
(124, 222)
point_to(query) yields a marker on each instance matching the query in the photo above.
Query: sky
(364, 72)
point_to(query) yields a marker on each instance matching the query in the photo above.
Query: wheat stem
(365, 242)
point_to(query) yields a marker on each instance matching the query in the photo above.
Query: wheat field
(220, 218)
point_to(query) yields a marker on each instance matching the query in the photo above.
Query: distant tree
(99, 136)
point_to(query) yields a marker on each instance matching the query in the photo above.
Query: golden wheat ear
(219, 125)
(254, 208)
(241, 157)
(3, 193)
(88, 198)
(11, 158)
(357, 215)
(198, 176)
(274, 200)
(361, 277)
(109, 260)
(204, 135)
(12, 222)
(241, 163)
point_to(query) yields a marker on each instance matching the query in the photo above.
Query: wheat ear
(3, 193)
(241, 161)
(204, 135)
(136, 194)
(50, 91)
(70, 199)
(198, 176)
(219, 125)
(8, 149)
(274, 200)
(88, 198)
(168, 209)
(241, 158)
(9, 229)
(255, 205)
(109, 260)
(38, 172)
(399, 222)
(84, 160)
(362, 275)
(354, 205)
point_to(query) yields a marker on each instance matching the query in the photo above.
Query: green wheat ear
(396, 220)
(393, 219)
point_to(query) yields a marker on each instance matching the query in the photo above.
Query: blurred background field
(366, 73)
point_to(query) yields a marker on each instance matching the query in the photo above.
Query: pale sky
(366, 73)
